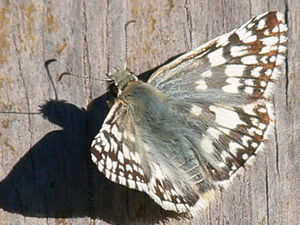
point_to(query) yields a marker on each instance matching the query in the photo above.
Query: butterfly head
(121, 78)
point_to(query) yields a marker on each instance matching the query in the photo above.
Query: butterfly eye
(113, 89)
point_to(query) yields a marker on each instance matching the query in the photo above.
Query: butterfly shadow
(57, 179)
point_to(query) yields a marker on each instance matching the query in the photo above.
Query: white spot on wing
(283, 39)
(254, 121)
(113, 177)
(168, 205)
(270, 40)
(213, 132)
(245, 156)
(262, 110)
(249, 59)
(235, 70)
(196, 110)
(273, 58)
(114, 145)
(103, 138)
(234, 81)
(263, 83)
(262, 126)
(237, 51)
(283, 27)
(116, 133)
(122, 180)
(249, 109)
(224, 39)
(126, 151)
(106, 127)
(254, 145)
(108, 163)
(234, 148)
(280, 59)
(256, 72)
(282, 49)
(221, 165)
(98, 147)
(100, 167)
(129, 136)
(94, 158)
(261, 24)
(224, 156)
(280, 17)
(131, 184)
(249, 82)
(250, 25)
(136, 157)
(121, 157)
(114, 166)
(181, 208)
(201, 85)
(268, 48)
(216, 57)
(226, 117)
(268, 72)
(275, 29)
(243, 33)
(106, 147)
(206, 144)
(93, 143)
(234, 84)
(224, 130)
(246, 140)
(267, 32)
(157, 171)
(250, 39)
(107, 174)
(206, 74)
(249, 90)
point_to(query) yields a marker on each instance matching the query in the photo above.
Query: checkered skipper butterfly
(198, 120)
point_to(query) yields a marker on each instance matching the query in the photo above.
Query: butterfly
(198, 120)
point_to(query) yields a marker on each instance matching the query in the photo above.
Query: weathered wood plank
(46, 173)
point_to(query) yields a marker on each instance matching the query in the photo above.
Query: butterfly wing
(129, 152)
(227, 81)
(235, 68)
(197, 120)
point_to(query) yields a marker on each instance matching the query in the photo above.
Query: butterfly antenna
(126, 40)
(76, 75)
(46, 64)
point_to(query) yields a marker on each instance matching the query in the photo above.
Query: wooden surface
(46, 173)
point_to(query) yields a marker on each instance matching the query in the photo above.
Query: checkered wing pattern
(124, 151)
(227, 83)
(198, 120)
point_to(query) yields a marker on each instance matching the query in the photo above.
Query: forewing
(235, 68)
(220, 90)
(114, 153)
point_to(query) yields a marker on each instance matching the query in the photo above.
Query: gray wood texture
(46, 173)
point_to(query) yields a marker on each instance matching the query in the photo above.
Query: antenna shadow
(57, 179)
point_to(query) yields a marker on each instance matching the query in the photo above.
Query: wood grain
(46, 173)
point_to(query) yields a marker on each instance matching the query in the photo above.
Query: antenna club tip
(63, 74)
